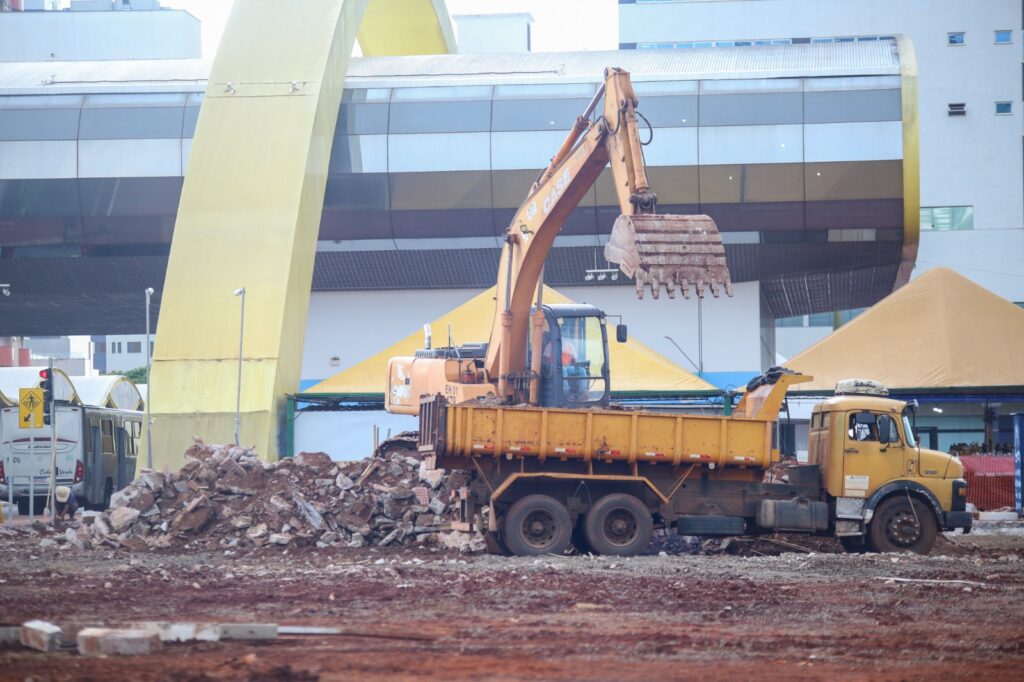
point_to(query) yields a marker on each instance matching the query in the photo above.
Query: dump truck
(529, 412)
(603, 479)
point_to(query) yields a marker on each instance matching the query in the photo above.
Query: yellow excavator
(571, 368)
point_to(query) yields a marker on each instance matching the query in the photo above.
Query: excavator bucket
(670, 250)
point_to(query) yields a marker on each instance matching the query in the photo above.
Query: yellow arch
(250, 210)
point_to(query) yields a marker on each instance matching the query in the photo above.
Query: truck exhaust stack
(670, 250)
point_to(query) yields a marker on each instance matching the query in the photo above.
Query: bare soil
(416, 613)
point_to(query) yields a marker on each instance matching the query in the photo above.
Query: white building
(120, 353)
(91, 30)
(969, 60)
(493, 33)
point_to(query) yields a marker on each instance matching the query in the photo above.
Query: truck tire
(618, 524)
(537, 524)
(902, 524)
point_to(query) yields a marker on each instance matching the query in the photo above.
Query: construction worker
(67, 505)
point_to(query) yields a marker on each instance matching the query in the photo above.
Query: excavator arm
(656, 250)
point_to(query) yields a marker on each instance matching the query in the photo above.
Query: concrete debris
(181, 632)
(111, 642)
(10, 634)
(248, 631)
(224, 496)
(40, 635)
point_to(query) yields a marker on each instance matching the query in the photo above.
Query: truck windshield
(908, 430)
(582, 358)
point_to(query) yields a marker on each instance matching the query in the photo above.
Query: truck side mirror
(621, 334)
(884, 424)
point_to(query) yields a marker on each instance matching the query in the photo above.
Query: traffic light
(46, 383)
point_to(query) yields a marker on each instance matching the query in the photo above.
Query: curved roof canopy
(635, 368)
(14, 378)
(109, 390)
(939, 331)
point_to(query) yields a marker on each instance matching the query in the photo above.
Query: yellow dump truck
(603, 479)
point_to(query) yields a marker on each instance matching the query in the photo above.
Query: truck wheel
(537, 524)
(902, 524)
(618, 524)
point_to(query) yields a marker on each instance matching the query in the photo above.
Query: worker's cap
(63, 493)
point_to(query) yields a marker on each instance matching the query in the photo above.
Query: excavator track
(670, 251)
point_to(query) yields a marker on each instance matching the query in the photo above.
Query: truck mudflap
(958, 519)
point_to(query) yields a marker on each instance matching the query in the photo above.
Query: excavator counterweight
(670, 251)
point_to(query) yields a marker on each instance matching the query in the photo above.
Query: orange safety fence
(989, 481)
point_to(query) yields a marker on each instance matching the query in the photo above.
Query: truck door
(868, 462)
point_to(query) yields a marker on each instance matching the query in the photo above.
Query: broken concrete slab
(248, 631)
(181, 632)
(10, 634)
(40, 635)
(116, 642)
(122, 518)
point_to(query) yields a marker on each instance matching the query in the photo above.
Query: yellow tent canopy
(635, 368)
(939, 331)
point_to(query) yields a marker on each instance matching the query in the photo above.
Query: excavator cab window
(574, 359)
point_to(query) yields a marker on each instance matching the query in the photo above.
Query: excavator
(552, 462)
(556, 355)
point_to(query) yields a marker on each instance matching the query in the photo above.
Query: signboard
(30, 408)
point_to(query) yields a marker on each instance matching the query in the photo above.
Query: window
(947, 217)
(957, 38)
(134, 346)
(957, 109)
(100, 347)
(1004, 108)
(1004, 37)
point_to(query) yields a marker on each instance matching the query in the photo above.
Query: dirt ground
(416, 613)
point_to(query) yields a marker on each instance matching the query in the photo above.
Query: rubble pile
(226, 497)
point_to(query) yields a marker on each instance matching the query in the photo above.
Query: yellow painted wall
(250, 211)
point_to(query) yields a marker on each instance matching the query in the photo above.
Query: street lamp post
(241, 337)
(149, 388)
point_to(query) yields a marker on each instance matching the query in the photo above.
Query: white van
(97, 451)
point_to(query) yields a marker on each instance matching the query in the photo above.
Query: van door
(873, 452)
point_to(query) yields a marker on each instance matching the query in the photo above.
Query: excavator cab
(574, 357)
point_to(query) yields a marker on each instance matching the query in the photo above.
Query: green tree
(137, 375)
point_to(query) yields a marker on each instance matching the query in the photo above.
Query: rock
(323, 482)
(391, 537)
(431, 477)
(238, 481)
(279, 539)
(47, 543)
(344, 482)
(240, 522)
(317, 460)
(357, 540)
(195, 516)
(309, 512)
(110, 642)
(328, 537)
(464, 542)
(154, 480)
(257, 531)
(437, 506)
(100, 526)
(122, 498)
(144, 500)
(40, 635)
(280, 504)
(121, 518)
(353, 524)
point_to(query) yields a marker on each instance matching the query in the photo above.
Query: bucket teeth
(666, 250)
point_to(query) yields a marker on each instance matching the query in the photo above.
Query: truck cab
(888, 493)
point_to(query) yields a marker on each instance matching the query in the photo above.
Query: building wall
(87, 36)
(974, 160)
(125, 352)
(353, 326)
(491, 33)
